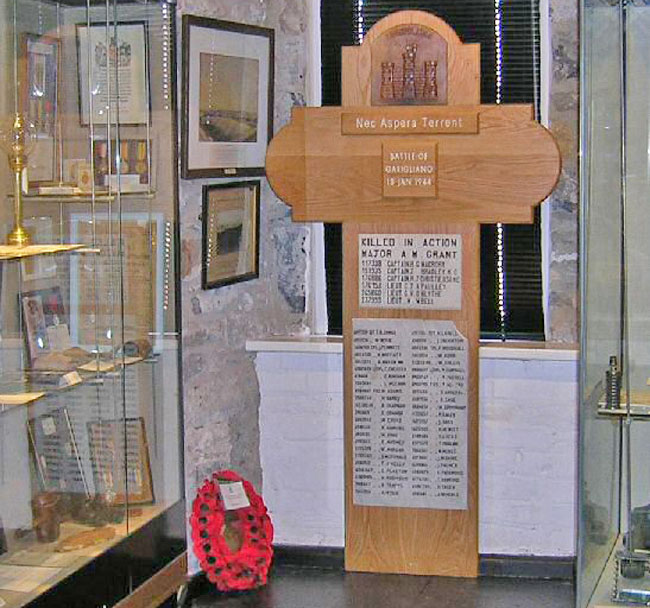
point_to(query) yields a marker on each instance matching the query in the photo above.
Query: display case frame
(134, 374)
(613, 481)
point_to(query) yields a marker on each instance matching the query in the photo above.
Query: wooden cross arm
(484, 163)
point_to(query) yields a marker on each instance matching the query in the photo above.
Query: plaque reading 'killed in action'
(416, 271)
(409, 414)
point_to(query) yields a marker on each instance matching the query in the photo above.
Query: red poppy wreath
(234, 547)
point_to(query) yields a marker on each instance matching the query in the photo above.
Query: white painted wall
(528, 445)
(301, 445)
(528, 456)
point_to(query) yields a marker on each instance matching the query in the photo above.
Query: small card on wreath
(234, 496)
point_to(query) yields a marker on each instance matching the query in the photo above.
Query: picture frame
(230, 233)
(41, 228)
(143, 244)
(135, 164)
(45, 322)
(129, 44)
(39, 100)
(110, 441)
(57, 457)
(226, 128)
(3, 539)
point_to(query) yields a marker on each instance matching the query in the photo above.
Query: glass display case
(90, 427)
(614, 477)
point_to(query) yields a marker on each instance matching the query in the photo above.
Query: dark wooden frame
(145, 28)
(190, 21)
(205, 221)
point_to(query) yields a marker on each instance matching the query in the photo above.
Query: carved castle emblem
(410, 68)
(413, 88)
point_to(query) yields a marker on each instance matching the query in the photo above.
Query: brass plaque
(410, 121)
(410, 169)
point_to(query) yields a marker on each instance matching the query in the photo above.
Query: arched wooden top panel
(458, 76)
(423, 18)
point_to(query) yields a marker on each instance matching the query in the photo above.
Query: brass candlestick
(17, 143)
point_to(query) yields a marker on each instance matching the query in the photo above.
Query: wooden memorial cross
(412, 164)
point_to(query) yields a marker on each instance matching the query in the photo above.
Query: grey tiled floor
(291, 587)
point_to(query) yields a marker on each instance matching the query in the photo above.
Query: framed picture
(227, 98)
(104, 53)
(57, 458)
(39, 103)
(135, 161)
(94, 304)
(110, 441)
(230, 233)
(41, 266)
(45, 322)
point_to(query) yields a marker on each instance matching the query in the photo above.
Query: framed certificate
(57, 459)
(120, 458)
(39, 102)
(113, 63)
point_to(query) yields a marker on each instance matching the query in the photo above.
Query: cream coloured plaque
(409, 414)
(416, 271)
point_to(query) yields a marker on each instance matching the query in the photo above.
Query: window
(508, 31)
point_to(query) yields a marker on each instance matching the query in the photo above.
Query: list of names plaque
(409, 414)
(414, 271)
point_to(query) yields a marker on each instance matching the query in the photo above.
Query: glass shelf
(36, 388)
(639, 406)
(637, 411)
(12, 252)
(87, 197)
(11, 400)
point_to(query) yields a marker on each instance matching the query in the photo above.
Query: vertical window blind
(508, 31)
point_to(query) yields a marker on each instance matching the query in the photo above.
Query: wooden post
(411, 165)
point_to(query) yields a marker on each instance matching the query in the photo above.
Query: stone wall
(563, 121)
(221, 393)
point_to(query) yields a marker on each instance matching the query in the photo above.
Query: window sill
(524, 351)
(297, 344)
